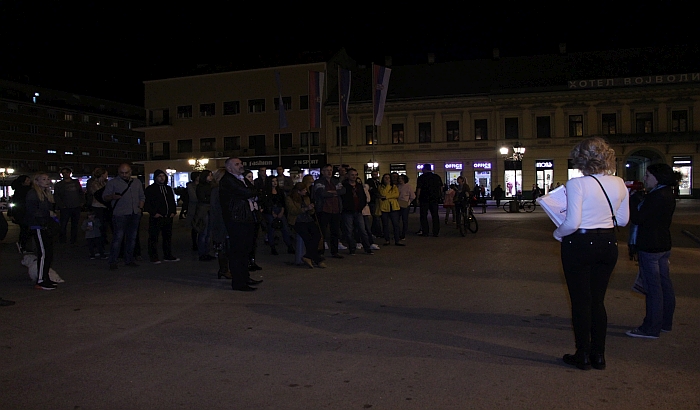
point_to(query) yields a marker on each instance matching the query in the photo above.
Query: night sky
(105, 51)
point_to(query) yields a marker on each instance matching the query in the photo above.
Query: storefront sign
(397, 167)
(453, 165)
(482, 165)
(419, 167)
(288, 161)
(544, 164)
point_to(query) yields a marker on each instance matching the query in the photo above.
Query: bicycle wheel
(529, 206)
(506, 206)
(461, 224)
(472, 224)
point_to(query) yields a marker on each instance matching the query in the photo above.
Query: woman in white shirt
(589, 245)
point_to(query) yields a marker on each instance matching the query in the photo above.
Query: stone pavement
(478, 322)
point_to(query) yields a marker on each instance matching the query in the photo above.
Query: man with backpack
(429, 192)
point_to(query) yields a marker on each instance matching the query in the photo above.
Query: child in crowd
(449, 203)
(93, 234)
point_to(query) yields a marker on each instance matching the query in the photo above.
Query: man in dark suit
(236, 203)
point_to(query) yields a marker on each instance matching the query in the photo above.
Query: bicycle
(528, 206)
(467, 220)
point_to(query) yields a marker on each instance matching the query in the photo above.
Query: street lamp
(171, 173)
(198, 164)
(518, 152)
(5, 172)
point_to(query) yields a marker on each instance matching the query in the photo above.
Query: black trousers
(588, 260)
(431, 206)
(160, 226)
(72, 214)
(44, 253)
(240, 245)
(330, 228)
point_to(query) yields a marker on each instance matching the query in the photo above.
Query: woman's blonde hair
(42, 193)
(593, 156)
(218, 174)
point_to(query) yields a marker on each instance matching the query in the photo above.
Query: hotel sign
(631, 81)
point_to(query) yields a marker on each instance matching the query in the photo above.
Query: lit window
(68, 117)
(50, 151)
(68, 153)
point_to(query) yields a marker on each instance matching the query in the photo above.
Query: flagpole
(374, 115)
(308, 136)
(340, 129)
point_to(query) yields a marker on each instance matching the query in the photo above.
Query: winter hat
(158, 172)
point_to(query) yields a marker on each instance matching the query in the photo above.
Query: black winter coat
(653, 219)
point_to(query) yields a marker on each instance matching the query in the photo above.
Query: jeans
(431, 206)
(353, 220)
(394, 217)
(311, 235)
(203, 237)
(240, 244)
(74, 215)
(158, 226)
(271, 231)
(660, 298)
(403, 216)
(330, 228)
(124, 227)
(588, 260)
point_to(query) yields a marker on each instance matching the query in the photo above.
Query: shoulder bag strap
(123, 192)
(609, 203)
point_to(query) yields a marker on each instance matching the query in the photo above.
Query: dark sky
(107, 51)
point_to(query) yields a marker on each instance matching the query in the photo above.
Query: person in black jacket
(39, 204)
(237, 209)
(354, 201)
(22, 185)
(161, 208)
(652, 214)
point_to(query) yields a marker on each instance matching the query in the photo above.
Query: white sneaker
(374, 247)
(359, 246)
(341, 246)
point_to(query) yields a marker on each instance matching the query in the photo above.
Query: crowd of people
(227, 209)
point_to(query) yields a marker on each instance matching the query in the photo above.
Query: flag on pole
(282, 114)
(380, 83)
(316, 80)
(344, 95)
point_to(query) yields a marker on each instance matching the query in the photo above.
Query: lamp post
(5, 172)
(171, 173)
(198, 164)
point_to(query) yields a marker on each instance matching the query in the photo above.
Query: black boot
(581, 360)
(598, 361)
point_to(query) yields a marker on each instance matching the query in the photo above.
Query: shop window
(232, 107)
(481, 130)
(232, 143)
(425, 132)
(512, 131)
(397, 134)
(644, 122)
(184, 146)
(544, 127)
(679, 121)
(575, 125)
(207, 110)
(207, 144)
(341, 134)
(370, 135)
(452, 130)
(184, 111)
(609, 124)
